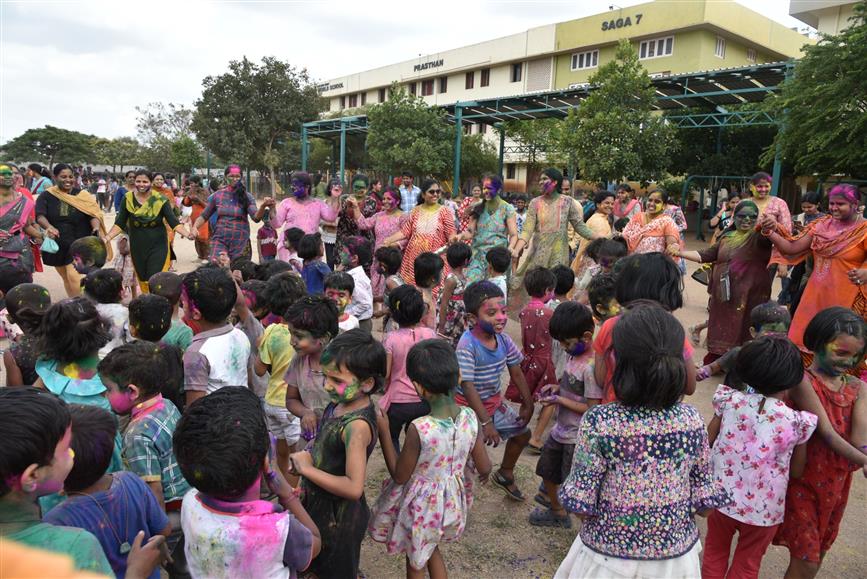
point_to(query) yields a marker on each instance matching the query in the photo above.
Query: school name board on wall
(427, 65)
(621, 22)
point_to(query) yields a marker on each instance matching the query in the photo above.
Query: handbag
(702, 275)
(49, 246)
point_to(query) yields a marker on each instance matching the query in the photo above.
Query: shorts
(282, 424)
(555, 462)
(507, 423)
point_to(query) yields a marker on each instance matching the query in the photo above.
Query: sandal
(534, 449)
(504, 483)
(548, 518)
(542, 499)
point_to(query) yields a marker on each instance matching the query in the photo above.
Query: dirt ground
(499, 542)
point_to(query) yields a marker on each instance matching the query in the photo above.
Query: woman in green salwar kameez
(143, 216)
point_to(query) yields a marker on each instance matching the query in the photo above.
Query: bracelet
(486, 423)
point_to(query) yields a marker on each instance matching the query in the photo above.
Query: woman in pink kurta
(301, 211)
(428, 228)
(384, 224)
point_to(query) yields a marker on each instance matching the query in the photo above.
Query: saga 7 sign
(621, 22)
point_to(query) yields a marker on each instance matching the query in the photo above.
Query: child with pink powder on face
(301, 211)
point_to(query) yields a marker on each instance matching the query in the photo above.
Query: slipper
(534, 449)
(547, 518)
(542, 499)
(504, 483)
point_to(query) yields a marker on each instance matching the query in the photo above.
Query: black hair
(478, 292)
(304, 177)
(433, 364)
(221, 442)
(159, 174)
(600, 291)
(361, 177)
(37, 168)
(761, 176)
(650, 370)
(496, 181)
(458, 255)
(32, 423)
(146, 173)
(539, 280)
(255, 289)
(499, 258)
(283, 290)
(556, 176)
(310, 246)
(649, 276)
(520, 197)
(406, 305)
(269, 269)
(93, 433)
(425, 185)
(194, 179)
(613, 248)
(620, 224)
(12, 276)
(832, 322)
(315, 314)
(770, 364)
(166, 284)
(602, 195)
(624, 187)
(211, 290)
(814, 197)
(60, 167)
(565, 279)
(104, 285)
(239, 190)
(292, 236)
(769, 313)
(427, 269)
(570, 320)
(26, 303)
(137, 362)
(391, 258)
(247, 267)
(214, 183)
(71, 330)
(151, 316)
(90, 249)
(334, 182)
(361, 248)
(406, 174)
(663, 195)
(340, 281)
(360, 353)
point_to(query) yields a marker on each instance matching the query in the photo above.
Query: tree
(50, 144)
(185, 154)
(405, 134)
(478, 157)
(614, 134)
(160, 126)
(537, 137)
(251, 113)
(121, 152)
(695, 150)
(823, 106)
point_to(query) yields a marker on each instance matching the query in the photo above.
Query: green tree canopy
(249, 114)
(120, 152)
(185, 154)
(823, 106)
(614, 134)
(160, 127)
(49, 145)
(478, 157)
(406, 134)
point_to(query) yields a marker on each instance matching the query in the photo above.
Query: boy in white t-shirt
(339, 288)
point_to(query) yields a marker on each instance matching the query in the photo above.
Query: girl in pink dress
(384, 224)
(301, 211)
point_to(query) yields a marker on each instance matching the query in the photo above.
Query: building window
(470, 81)
(585, 60)
(412, 88)
(751, 54)
(427, 87)
(444, 84)
(510, 170)
(342, 102)
(486, 77)
(517, 68)
(656, 47)
(353, 101)
(382, 95)
(363, 98)
(483, 128)
(468, 129)
(720, 50)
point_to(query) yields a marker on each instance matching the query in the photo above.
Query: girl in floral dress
(452, 314)
(427, 500)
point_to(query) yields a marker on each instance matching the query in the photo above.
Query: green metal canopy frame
(690, 101)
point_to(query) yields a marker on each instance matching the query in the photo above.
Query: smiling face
(129, 180)
(7, 176)
(65, 180)
(340, 297)
(840, 355)
(607, 206)
(492, 316)
(303, 341)
(733, 202)
(341, 385)
(655, 204)
(142, 183)
(546, 184)
(476, 192)
(520, 205)
(159, 181)
(299, 188)
(623, 195)
(432, 195)
(745, 219)
(390, 202)
(491, 189)
(840, 208)
(407, 182)
(761, 189)
(359, 189)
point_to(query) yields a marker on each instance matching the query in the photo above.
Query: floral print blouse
(752, 453)
(639, 475)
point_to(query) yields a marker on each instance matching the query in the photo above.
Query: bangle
(486, 423)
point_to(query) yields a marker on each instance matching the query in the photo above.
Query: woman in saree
(599, 223)
(382, 224)
(652, 230)
(466, 205)
(838, 245)
(428, 227)
(16, 223)
(739, 280)
(67, 213)
(146, 216)
(492, 223)
(546, 226)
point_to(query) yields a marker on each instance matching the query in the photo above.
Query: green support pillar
(459, 133)
(778, 168)
(303, 148)
(502, 149)
(342, 148)
(209, 166)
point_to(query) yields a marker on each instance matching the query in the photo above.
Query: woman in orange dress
(428, 228)
(838, 243)
(652, 230)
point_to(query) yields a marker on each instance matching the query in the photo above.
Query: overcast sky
(86, 65)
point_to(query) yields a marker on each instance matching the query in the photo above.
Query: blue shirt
(314, 274)
(483, 366)
(126, 508)
(40, 184)
(118, 197)
(408, 198)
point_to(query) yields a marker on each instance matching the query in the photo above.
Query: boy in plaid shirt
(133, 374)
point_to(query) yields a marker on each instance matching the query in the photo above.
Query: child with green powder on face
(333, 473)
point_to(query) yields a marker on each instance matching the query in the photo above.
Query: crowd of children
(161, 432)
